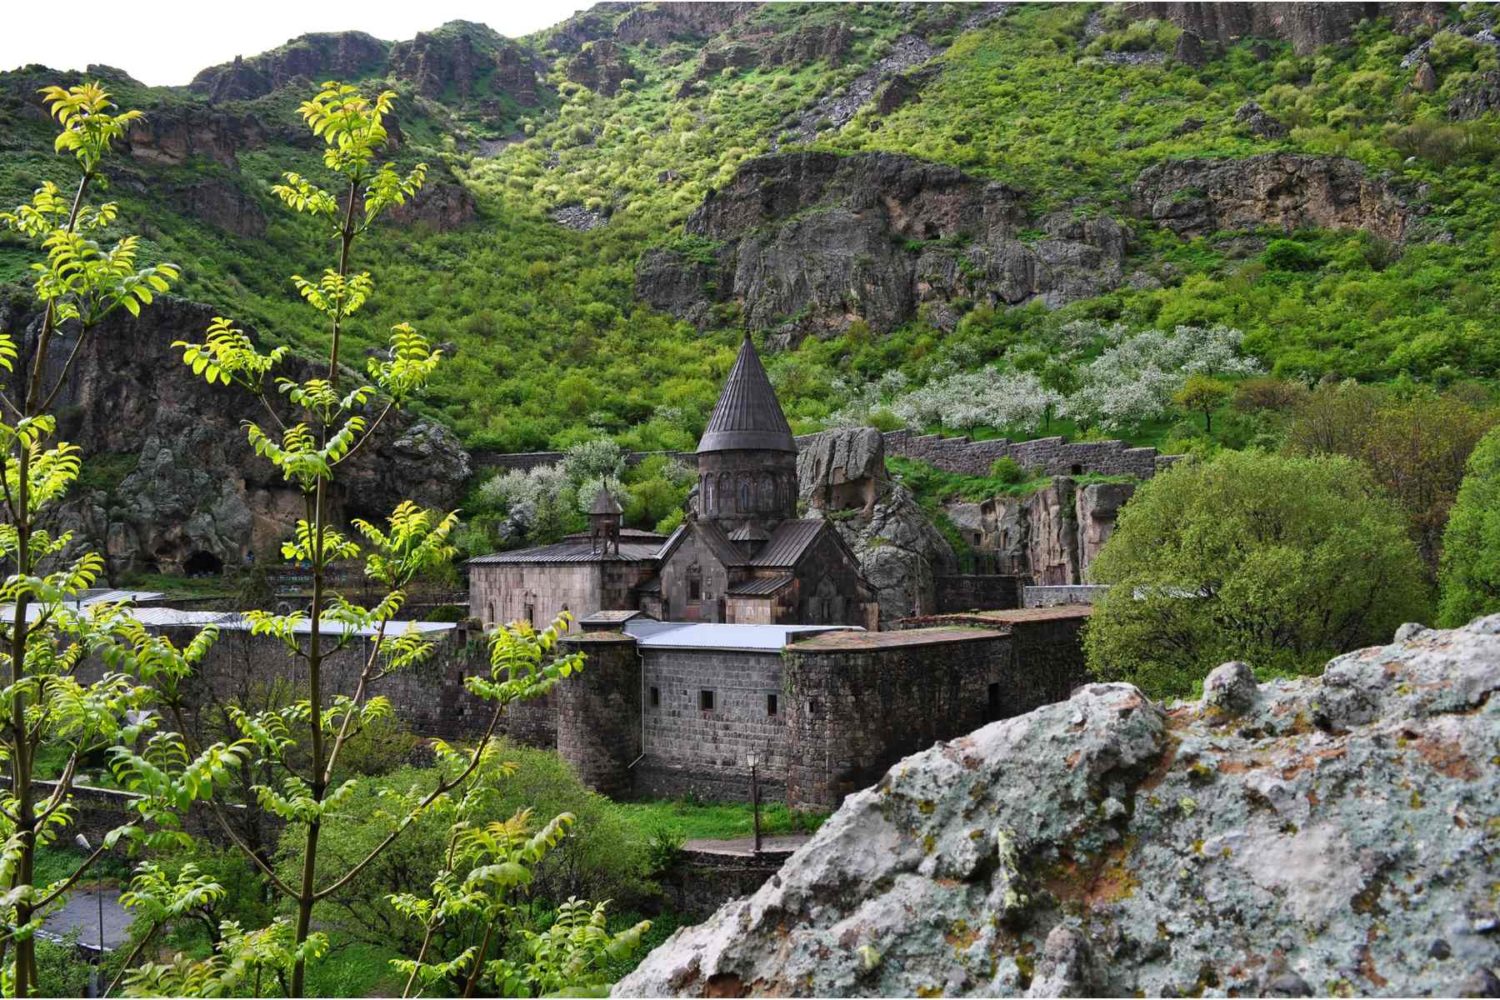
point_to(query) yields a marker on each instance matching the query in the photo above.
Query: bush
(1008, 470)
(1289, 255)
(1282, 562)
(1470, 569)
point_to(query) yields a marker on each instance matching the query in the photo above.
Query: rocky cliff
(1307, 26)
(1328, 836)
(1050, 536)
(170, 482)
(1285, 190)
(805, 242)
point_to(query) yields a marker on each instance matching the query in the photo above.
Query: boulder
(1189, 50)
(1424, 80)
(1326, 835)
(1282, 190)
(1259, 123)
(812, 242)
(901, 554)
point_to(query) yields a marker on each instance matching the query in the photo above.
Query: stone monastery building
(743, 556)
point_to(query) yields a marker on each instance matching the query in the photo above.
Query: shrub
(1279, 561)
(1008, 470)
(1289, 255)
(1470, 572)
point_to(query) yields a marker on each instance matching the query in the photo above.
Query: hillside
(595, 240)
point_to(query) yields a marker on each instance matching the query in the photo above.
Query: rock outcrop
(220, 203)
(172, 135)
(341, 55)
(1283, 190)
(660, 23)
(442, 204)
(842, 476)
(600, 66)
(1050, 536)
(184, 488)
(1330, 836)
(1307, 26)
(1479, 97)
(811, 242)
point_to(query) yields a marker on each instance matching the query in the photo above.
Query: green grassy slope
(552, 347)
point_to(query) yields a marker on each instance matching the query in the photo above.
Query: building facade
(741, 556)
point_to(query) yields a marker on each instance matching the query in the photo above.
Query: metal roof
(234, 621)
(762, 587)
(749, 533)
(578, 550)
(789, 542)
(650, 634)
(609, 617)
(747, 416)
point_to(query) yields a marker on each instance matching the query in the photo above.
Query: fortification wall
(858, 707)
(691, 750)
(1053, 455)
(956, 454)
(599, 711)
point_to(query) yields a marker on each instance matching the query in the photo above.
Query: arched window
(746, 497)
(767, 492)
(725, 492)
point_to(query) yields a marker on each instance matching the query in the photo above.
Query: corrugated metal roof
(788, 542)
(650, 634)
(575, 550)
(234, 621)
(762, 587)
(747, 416)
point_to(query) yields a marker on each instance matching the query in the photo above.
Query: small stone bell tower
(604, 524)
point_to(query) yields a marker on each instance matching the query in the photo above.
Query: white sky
(165, 42)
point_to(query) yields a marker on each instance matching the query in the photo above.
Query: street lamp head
(83, 842)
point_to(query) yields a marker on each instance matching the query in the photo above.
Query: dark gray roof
(719, 544)
(747, 415)
(610, 617)
(763, 587)
(749, 533)
(789, 542)
(604, 503)
(575, 550)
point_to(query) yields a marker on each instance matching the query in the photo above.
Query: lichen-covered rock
(812, 242)
(1334, 836)
(1283, 190)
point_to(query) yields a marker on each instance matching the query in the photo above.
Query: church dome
(748, 416)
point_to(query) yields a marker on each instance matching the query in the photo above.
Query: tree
(49, 707)
(1279, 561)
(1203, 394)
(317, 424)
(1415, 443)
(1470, 572)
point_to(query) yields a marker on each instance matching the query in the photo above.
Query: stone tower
(747, 458)
(604, 523)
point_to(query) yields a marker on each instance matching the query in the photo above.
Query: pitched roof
(718, 543)
(747, 416)
(789, 542)
(762, 587)
(750, 532)
(576, 549)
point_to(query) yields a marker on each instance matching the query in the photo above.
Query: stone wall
(693, 750)
(429, 697)
(1051, 597)
(1053, 455)
(977, 592)
(599, 711)
(861, 701)
(956, 454)
(539, 592)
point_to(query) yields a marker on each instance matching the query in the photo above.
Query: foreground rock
(812, 242)
(1331, 836)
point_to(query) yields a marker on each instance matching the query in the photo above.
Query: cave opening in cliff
(201, 563)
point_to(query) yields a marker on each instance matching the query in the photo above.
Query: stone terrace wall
(1057, 596)
(858, 702)
(971, 591)
(690, 751)
(956, 454)
(1053, 455)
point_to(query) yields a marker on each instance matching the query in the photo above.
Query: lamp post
(753, 761)
(98, 990)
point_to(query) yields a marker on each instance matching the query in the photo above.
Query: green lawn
(715, 820)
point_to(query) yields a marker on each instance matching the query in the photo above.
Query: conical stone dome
(748, 416)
